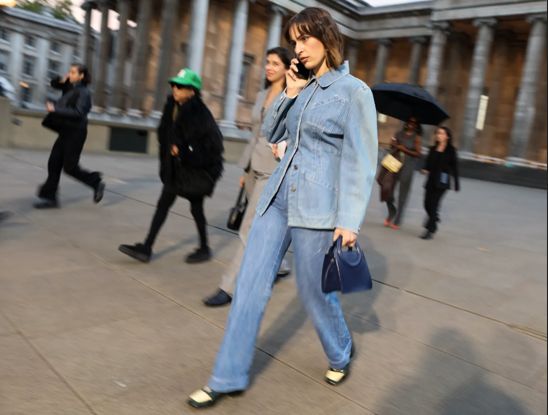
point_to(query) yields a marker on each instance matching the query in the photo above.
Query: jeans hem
(227, 386)
(342, 363)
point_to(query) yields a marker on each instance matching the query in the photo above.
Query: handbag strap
(241, 195)
(339, 252)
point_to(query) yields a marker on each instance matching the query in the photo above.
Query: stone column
(87, 42)
(100, 80)
(382, 58)
(275, 26)
(352, 50)
(168, 20)
(435, 56)
(15, 62)
(235, 64)
(41, 70)
(67, 57)
(198, 31)
(118, 101)
(140, 62)
(480, 59)
(524, 114)
(416, 59)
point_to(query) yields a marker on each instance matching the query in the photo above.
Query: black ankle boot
(220, 298)
(202, 254)
(138, 251)
(46, 204)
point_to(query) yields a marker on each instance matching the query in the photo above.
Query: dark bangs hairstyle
(285, 57)
(318, 23)
(83, 69)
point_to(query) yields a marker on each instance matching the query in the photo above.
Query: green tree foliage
(36, 6)
(60, 9)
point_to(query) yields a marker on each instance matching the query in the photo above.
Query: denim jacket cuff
(349, 223)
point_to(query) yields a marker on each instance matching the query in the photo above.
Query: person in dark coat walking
(440, 164)
(191, 162)
(69, 118)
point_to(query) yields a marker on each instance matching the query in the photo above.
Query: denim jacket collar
(332, 75)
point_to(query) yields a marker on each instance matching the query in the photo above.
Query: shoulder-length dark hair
(449, 136)
(83, 69)
(285, 57)
(318, 23)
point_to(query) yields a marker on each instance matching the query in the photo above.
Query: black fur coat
(196, 135)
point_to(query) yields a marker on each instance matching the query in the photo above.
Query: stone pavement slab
(453, 326)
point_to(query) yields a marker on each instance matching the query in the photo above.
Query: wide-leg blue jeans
(267, 243)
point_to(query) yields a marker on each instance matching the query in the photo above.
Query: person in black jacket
(191, 162)
(69, 118)
(440, 164)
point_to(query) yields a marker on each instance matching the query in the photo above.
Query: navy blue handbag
(345, 270)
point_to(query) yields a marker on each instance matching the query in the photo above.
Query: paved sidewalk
(453, 326)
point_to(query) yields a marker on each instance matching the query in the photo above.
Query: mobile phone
(302, 72)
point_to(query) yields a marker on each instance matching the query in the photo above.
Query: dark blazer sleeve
(57, 84)
(455, 169)
(80, 110)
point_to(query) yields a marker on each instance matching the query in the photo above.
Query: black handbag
(52, 122)
(192, 181)
(237, 211)
(345, 271)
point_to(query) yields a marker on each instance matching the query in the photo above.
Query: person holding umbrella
(415, 106)
(440, 164)
(405, 146)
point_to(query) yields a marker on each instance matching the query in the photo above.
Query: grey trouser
(254, 185)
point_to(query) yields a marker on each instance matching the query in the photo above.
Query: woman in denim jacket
(318, 192)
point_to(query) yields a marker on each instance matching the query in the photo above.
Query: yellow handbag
(391, 163)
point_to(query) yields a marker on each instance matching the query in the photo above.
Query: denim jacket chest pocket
(325, 119)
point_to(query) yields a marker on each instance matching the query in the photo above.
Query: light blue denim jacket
(331, 159)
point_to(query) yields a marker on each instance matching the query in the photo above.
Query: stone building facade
(485, 60)
(33, 49)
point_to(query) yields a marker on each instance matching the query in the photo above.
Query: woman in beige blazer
(259, 160)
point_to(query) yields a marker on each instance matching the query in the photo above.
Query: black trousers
(166, 200)
(432, 200)
(65, 156)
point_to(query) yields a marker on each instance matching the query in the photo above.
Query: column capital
(103, 5)
(384, 42)
(418, 39)
(89, 5)
(277, 9)
(441, 27)
(533, 18)
(485, 21)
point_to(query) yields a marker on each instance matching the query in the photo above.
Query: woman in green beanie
(191, 162)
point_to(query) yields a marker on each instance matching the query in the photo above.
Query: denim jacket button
(296, 167)
(293, 188)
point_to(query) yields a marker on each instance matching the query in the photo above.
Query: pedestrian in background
(69, 118)
(405, 146)
(318, 193)
(191, 144)
(441, 164)
(259, 160)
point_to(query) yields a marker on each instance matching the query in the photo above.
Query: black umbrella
(403, 101)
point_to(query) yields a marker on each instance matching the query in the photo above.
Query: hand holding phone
(295, 82)
(302, 72)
